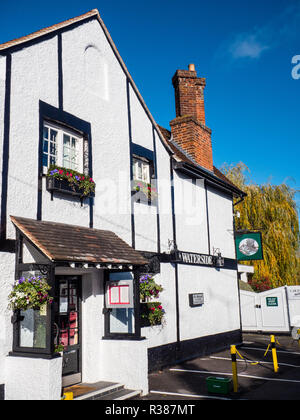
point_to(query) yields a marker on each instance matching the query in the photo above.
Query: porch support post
(136, 291)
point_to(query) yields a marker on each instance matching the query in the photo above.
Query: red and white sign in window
(118, 294)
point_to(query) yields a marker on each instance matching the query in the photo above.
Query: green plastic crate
(218, 385)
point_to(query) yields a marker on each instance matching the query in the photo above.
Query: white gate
(266, 311)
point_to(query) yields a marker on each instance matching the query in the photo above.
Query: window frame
(63, 130)
(108, 335)
(145, 163)
(46, 352)
(138, 196)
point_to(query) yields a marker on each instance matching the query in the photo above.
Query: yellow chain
(253, 363)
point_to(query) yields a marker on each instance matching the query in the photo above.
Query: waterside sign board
(192, 258)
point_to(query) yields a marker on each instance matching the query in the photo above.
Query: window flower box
(144, 192)
(70, 182)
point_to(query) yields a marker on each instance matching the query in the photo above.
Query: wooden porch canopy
(61, 242)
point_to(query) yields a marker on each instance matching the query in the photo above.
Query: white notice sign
(293, 292)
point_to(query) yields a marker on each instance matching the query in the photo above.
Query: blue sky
(243, 48)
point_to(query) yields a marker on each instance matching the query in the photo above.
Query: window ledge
(123, 337)
(33, 355)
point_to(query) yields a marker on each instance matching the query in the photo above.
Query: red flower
(159, 307)
(82, 178)
(61, 171)
(152, 309)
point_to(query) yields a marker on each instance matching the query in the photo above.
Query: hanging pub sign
(248, 246)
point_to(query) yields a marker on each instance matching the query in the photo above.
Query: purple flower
(22, 279)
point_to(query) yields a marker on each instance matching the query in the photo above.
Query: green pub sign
(248, 246)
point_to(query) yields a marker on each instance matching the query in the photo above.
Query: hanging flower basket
(29, 293)
(149, 288)
(152, 313)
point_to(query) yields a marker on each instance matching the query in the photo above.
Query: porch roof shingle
(70, 243)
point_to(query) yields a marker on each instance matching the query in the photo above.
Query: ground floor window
(32, 319)
(33, 329)
(121, 305)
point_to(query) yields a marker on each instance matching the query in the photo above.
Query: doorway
(68, 325)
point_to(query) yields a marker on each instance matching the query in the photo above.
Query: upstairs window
(141, 169)
(62, 147)
(144, 183)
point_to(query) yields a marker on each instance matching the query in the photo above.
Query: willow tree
(272, 210)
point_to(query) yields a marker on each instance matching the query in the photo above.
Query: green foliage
(271, 209)
(29, 293)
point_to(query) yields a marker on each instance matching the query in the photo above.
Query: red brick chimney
(188, 128)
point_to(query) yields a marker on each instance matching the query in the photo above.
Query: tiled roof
(70, 243)
(48, 30)
(183, 156)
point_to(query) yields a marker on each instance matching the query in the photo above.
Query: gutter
(210, 178)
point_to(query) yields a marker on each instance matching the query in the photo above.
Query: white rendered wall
(164, 198)
(33, 378)
(145, 225)
(125, 361)
(7, 271)
(190, 212)
(141, 125)
(33, 78)
(221, 223)
(220, 312)
(105, 107)
(166, 333)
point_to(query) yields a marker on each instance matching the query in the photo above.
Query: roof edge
(92, 13)
(32, 239)
(48, 30)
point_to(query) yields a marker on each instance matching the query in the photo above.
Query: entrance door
(68, 321)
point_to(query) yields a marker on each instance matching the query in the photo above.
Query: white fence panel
(249, 311)
(266, 311)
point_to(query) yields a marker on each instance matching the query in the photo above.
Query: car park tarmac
(256, 377)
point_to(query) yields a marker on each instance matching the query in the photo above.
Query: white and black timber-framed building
(67, 98)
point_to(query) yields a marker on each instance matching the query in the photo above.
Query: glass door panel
(68, 323)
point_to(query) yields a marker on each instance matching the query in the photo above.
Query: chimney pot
(192, 67)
